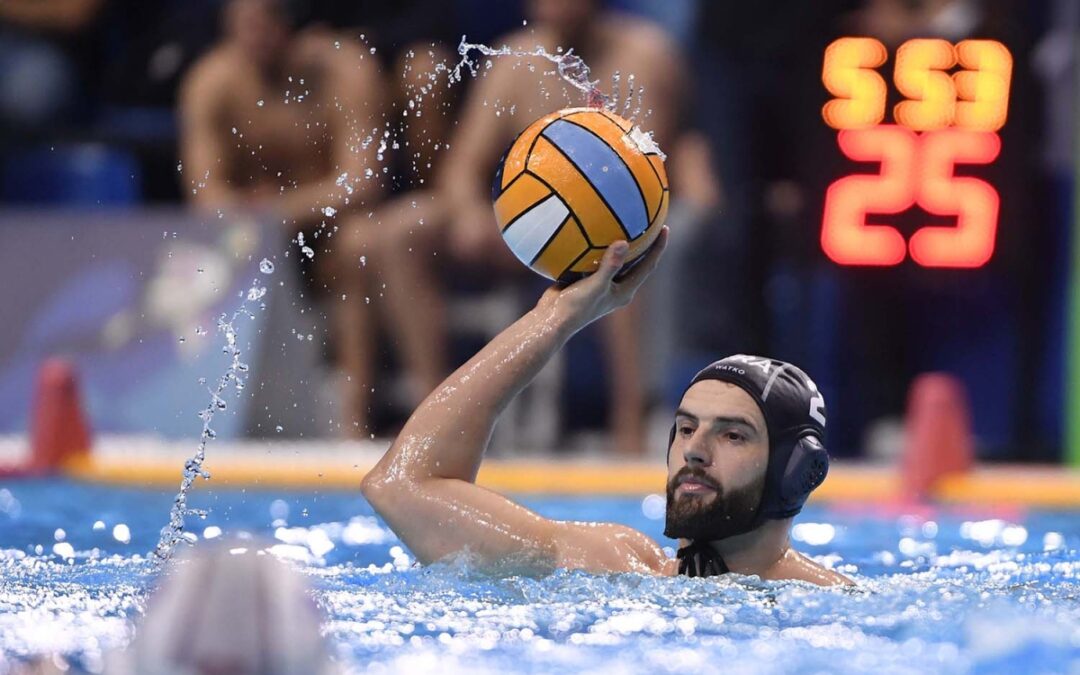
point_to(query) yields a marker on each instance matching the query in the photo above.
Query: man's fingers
(613, 260)
(644, 268)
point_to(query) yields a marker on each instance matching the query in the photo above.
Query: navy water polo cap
(794, 412)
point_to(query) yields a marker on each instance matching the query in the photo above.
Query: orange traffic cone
(58, 427)
(938, 439)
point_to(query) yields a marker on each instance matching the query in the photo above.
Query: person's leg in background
(355, 284)
(422, 94)
(411, 228)
(412, 224)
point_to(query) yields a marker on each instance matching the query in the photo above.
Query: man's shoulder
(612, 547)
(647, 550)
(217, 69)
(796, 565)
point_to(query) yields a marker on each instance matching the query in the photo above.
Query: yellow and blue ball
(574, 182)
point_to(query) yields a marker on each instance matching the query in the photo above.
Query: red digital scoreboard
(955, 100)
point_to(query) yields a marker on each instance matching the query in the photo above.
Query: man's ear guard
(805, 471)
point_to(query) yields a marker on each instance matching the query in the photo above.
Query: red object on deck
(58, 428)
(938, 438)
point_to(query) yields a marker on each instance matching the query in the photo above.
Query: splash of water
(570, 67)
(235, 375)
(573, 70)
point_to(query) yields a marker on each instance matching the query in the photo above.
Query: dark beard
(726, 515)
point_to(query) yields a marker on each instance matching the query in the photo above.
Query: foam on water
(955, 599)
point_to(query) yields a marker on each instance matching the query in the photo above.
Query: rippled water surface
(944, 590)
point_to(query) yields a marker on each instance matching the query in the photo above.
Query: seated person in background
(275, 119)
(409, 38)
(745, 452)
(457, 217)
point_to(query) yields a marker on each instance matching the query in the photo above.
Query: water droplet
(279, 428)
(266, 267)
(181, 340)
(306, 250)
(259, 103)
(255, 293)
(122, 533)
(329, 211)
(363, 261)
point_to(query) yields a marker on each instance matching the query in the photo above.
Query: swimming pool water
(940, 590)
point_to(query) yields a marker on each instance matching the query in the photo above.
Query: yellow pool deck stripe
(344, 466)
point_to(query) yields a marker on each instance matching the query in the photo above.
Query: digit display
(955, 100)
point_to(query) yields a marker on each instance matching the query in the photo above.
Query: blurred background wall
(102, 257)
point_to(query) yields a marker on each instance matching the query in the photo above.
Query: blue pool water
(942, 591)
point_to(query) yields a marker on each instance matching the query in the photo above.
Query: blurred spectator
(273, 117)
(458, 217)
(44, 47)
(285, 120)
(411, 40)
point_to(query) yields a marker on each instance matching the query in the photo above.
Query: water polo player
(744, 454)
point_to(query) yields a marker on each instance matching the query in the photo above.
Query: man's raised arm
(424, 487)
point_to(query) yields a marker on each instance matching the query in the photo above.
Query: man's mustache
(697, 474)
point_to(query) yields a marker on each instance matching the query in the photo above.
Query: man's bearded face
(717, 514)
(716, 464)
